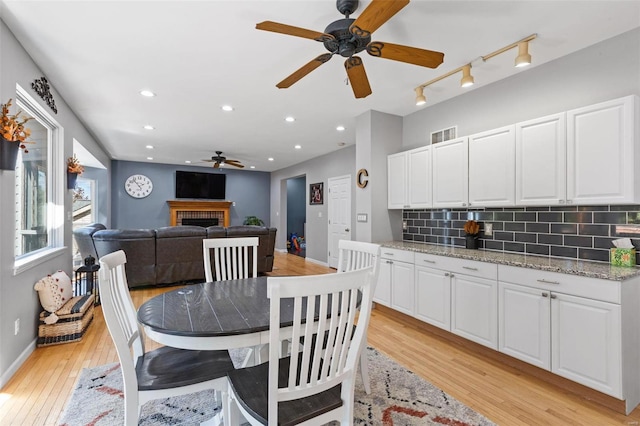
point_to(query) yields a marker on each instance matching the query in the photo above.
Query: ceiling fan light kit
(347, 37)
(523, 59)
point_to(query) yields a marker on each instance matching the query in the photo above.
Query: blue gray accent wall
(296, 206)
(248, 190)
(574, 232)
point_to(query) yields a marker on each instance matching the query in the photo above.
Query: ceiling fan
(219, 160)
(347, 37)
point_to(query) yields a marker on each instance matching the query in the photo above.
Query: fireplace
(199, 211)
(204, 222)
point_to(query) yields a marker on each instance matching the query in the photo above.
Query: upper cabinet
(492, 168)
(409, 179)
(602, 153)
(541, 161)
(451, 173)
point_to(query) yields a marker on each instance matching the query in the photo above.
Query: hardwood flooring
(37, 393)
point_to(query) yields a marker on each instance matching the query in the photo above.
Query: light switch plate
(361, 217)
(488, 229)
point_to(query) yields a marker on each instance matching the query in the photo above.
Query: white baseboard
(7, 375)
(308, 259)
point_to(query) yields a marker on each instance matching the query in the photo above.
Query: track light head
(420, 98)
(467, 78)
(524, 58)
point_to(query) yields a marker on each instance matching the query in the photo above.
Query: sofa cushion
(84, 239)
(139, 245)
(266, 243)
(179, 254)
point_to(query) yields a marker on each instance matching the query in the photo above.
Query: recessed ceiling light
(147, 93)
(298, 147)
(227, 108)
(270, 158)
(289, 119)
(149, 158)
(340, 128)
(252, 167)
(149, 147)
(188, 161)
(149, 127)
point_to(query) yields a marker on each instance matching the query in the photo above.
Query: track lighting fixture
(420, 98)
(523, 59)
(467, 78)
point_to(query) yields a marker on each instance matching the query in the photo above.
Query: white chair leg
(364, 371)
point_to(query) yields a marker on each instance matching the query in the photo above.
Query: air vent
(444, 135)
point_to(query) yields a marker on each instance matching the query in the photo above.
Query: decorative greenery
(253, 220)
(471, 227)
(73, 165)
(13, 129)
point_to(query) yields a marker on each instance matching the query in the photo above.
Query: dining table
(213, 315)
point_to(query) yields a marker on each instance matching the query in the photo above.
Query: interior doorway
(296, 216)
(339, 215)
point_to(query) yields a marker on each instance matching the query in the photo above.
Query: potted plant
(471, 229)
(13, 136)
(74, 168)
(253, 220)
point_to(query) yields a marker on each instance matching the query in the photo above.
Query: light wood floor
(37, 393)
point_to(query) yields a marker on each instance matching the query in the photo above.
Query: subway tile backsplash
(575, 232)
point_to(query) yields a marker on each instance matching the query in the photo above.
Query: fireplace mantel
(177, 207)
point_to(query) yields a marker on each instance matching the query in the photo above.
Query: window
(39, 199)
(84, 208)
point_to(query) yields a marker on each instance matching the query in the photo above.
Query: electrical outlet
(16, 327)
(404, 225)
(488, 229)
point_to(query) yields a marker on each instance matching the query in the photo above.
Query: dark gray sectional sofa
(167, 255)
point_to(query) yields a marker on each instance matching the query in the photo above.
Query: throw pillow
(54, 291)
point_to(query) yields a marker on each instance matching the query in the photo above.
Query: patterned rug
(398, 398)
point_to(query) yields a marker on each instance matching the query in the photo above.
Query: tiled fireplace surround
(574, 232)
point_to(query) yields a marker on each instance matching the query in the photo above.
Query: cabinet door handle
(429, 261)
(470, 268)
(553, 296)
(446, 274)
(390, 262)
(545, 294)
(451, 275)
(388, 254)
(548, 282)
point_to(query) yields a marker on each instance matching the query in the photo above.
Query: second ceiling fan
(347, 36)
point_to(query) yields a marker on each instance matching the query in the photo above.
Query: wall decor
(42, 87)
(362, 180)
(315, 193)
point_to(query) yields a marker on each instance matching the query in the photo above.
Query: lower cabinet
(433, 296)
(474, 309)
(395, 287)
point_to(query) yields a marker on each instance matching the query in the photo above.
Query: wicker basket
(74, 318)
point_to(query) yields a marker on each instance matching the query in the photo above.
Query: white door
(339, 215)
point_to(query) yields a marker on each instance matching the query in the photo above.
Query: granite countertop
(544, 263)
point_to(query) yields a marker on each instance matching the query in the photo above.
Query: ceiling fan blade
(357, 77)
(209, 161)
(234, 164)
(377, 13)
(304, 70)
(411, 55)
(294, 31)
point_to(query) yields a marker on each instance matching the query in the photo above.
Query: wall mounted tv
(210, 186)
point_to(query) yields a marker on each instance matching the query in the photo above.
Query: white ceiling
(200, 55)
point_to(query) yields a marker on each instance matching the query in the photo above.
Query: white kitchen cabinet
(492, 168)
(409, 176)
(586, 342)
(541, 161)
(524, 316)
(472, 296)
(433, 296)
(451, 173)
(395, 286)
(603, 154)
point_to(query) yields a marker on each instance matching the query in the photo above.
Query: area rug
(398, 398)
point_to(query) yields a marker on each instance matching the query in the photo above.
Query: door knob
(346, 230)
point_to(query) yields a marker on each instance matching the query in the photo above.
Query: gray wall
(17, 297)
(320, 169)
(103, 192)
(296, 206)
(607, 70)
(248, 190)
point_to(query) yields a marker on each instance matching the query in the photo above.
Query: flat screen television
(210, 186)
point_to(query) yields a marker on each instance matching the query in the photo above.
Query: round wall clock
(138, 186)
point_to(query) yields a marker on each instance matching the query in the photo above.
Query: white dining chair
(316, 384)
(353, 255)
(233, 258)
(163, 372)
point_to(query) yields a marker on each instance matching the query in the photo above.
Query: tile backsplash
(575, 232)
